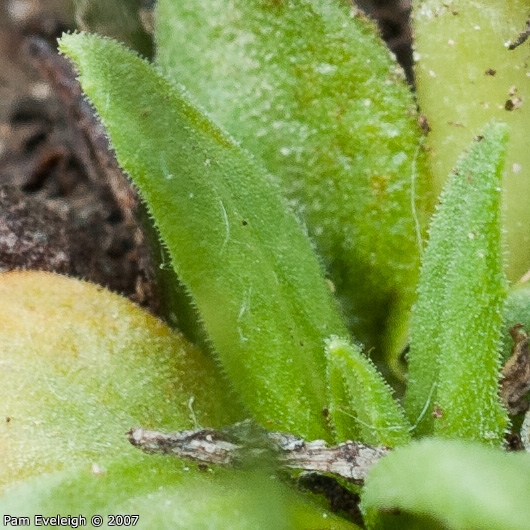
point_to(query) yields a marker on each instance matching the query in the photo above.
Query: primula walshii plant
(277, 149)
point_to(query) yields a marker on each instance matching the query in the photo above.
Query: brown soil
(64, 205)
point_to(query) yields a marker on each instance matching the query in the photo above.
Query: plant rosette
(279, 243)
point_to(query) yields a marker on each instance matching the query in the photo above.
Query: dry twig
(348, 460)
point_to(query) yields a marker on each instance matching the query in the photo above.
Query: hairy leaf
(361, 403)
(241, 254)
(453, 359)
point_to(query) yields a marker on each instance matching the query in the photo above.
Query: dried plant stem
(349, 460)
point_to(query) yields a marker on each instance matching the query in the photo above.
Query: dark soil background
(64, 205)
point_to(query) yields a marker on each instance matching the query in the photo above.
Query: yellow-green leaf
(467, 76)
(81, 366)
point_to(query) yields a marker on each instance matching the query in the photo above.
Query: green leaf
(312, 91)
(361, 403)
(453, 359)
(81, 366)
(467, 76)
(241, 254)
(448, 484)
(166, 493)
